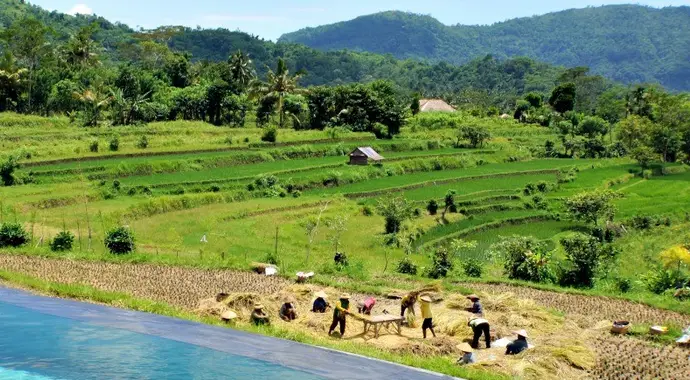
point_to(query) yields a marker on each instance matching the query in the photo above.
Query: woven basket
(620, 327)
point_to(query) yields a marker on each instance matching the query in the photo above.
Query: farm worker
(468, 357)
(342, 309)
(427, 316)
(366, 306)
(518, 345)
(476, 307)
(408, 303)
(259, 317)
(287, 312)
(320, 303)
(479, 326)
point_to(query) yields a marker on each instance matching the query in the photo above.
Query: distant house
(362, 155)
(434, 105)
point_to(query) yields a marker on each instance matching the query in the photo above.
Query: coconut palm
(123, 109)
(95, 102)
(241, 69)
(11, 81)
(81, 50)
(278, 85)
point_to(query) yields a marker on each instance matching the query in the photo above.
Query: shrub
(530, 189)
(406, 266)
(120, 241)
(367, 211)
(340, 259)
(179, 190)
(441, 264)
(296, 194)
(472, 268)
(143, 142)
(543, 187)
(270, 134)
(659, 280)
(525, 259)
(114, 144)
(116, 185)
(62, 242)
(7, 169)
(214, 188)
(12, 235)
(583, 257)
(432, 207)
(271, 258)
(132, 191)
(395, 211)
(623, 285)
(93, 146)
(246, 139)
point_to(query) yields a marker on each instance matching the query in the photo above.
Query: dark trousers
(405, 307)
(335, 323)
(478, 331)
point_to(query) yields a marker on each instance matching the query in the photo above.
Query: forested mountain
(627, 43)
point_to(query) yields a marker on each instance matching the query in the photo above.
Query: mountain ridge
(627, 43)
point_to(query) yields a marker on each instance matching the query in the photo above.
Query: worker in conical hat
(259, 316)
(468, 356)
(518, 345)
(427, 316)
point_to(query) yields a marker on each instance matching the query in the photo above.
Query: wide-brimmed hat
(344, 296)
(320, 294)
(522, 333)
(464, 347)
(425, 298)
(473, 297)
(258, 306)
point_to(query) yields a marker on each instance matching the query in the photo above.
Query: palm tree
(94, 102)
(123, 109)
(241, 69)
(11, 81)
(279, 84)
(81, 50)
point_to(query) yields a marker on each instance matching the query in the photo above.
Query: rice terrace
(549, 203)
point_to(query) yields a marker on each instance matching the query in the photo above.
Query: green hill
(627, 43)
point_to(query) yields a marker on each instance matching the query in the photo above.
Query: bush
(120, 241)
(659, 280)
(526, 259)
(530, 189)
(214, 188)
(472, 268)
(296, 194)
(623, 285)
(114, 144)
(584, 256)
(441, 264)
(143, 142)
(12, 235)
(7, 169)
(271, 258)
(62, 242)
(432, 207)
(93, 146)
(340, 259)
(406, 266)
(270, 134)
(367, 211)
(116, 185)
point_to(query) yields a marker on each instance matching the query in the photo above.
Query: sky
(271, 18)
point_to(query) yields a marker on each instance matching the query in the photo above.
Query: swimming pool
(47, 338)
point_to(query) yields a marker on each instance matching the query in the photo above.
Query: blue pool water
(37, 346)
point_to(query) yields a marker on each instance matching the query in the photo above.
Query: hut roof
(434, 105)
(367, 151)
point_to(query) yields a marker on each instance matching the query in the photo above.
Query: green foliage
(406, 266)
(62, 242)
(660, 280)
(432, 207)
(563, 98)
(591, 207)
(395, 210)
(143, 142)
(475, 135)
(525, 258)
(270, 134)
(7, 169)
(12, 235)
(441, 264)
(114, 144)
(472, 268)
(93, 146)
(583, 258)
(644, 156)
(120, 241)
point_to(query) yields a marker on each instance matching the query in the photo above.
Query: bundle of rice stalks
(411, 320)
(457, 303)
(451, 324)
(241, 300)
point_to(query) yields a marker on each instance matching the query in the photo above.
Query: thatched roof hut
(434, 105)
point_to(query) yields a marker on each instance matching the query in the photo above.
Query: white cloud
(81, 9)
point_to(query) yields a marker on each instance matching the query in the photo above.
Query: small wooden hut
(363, 155)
